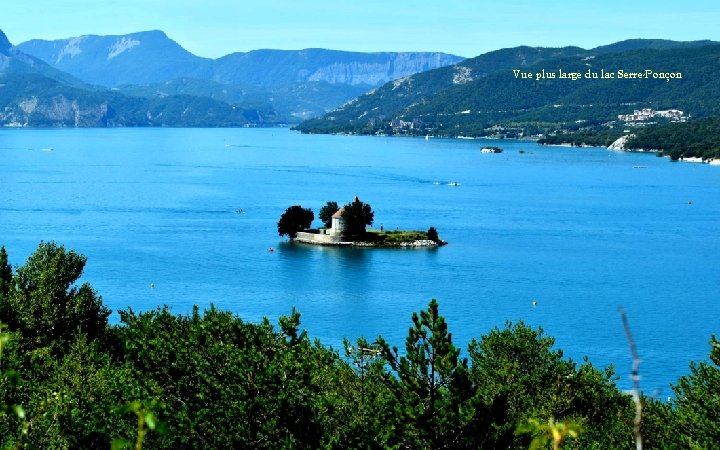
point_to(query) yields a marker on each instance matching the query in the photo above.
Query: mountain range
(484, 96)
(35, 94)
(147, 79)
(296, 84)
(152, 57)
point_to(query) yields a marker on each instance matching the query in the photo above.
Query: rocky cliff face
(283, 67)
(57, 111)
(395, 66)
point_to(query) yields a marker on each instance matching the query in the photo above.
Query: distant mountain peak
(5, 45)
(157, 33)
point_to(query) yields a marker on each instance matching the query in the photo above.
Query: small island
(346, 226)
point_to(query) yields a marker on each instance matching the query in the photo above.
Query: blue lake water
(579, 231)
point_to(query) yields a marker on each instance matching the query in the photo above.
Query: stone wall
(322, 239)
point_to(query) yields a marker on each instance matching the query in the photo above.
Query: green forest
(698, 138)
(482, 96)
(70, 380)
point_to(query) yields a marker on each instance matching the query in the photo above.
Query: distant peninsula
(346, 227)
(693, 141)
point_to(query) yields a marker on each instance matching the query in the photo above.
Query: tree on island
(432, 234)
(294, 219)
(356, 216)
(327, 211)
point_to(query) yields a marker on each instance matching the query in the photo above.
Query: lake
(578, 231)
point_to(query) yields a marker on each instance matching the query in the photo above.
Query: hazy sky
(213, 28)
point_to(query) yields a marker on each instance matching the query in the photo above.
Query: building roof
(338, 214)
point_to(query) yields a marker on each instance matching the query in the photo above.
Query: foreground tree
(294, 219)
(46, 306)
(697, 402)
(5, 274)
(517, 367)
(6, 281)
(225, 383)
(356, 216)
(326, 213)
(433, 392)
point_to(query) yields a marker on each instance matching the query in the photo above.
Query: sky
(213, 28)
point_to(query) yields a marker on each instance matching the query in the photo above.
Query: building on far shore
(643, 116)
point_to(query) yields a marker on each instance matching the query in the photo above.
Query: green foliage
(228, 383)
(553, 433)
(516, 367)
(432, 234)
(599, 137)
(5, 275)
(146, 421)
(72, 402)
(697, 402)
(393, 238)
(433, 392)
(294, 219)
(210, 380)
(356, 216)
(46, 307)
(698, 138)
(8, 377)
(327, 211)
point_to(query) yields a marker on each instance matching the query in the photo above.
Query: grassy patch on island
(393, 238)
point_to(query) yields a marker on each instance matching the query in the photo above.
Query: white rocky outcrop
(72, 48)
(462, 75)
(122, 45)
(620, 143)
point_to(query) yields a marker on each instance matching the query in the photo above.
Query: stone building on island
(335, 235)
(338, 223)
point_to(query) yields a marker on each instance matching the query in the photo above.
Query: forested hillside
(463, 101)
(32, 100)
(700, 139)
(696, 139)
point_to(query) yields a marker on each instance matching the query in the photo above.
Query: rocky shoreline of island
(418, 243)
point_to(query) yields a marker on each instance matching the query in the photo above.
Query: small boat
(491, 149)
(639, 167)
(453, 183)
